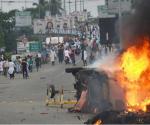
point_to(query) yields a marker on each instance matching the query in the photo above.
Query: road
(23, 101)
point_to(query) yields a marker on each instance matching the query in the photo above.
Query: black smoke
(136, 26)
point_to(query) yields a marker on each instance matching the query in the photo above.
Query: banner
(39, 26)
(65, 23)
(58, 22)
(50, 24)
(21, 47)
(35, 46)
(23, 19)
(103, 12)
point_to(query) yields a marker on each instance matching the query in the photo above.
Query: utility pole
(83, 5)
(80, 5)
(49, 7)
(65, 5)
(25, 4)
(69, 6)
(120, 24)
(1, 6)
(39, 10)
(75, 5)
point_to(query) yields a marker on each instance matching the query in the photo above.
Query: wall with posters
(59, 24)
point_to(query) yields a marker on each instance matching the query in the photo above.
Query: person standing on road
(85, 57)
(40, 59)
(6, 65)
(1, 66)
(53, 56)
(30, 62)
(61, 54)
(72, 56)
(67, 57)
(24, 69)
(11, 69)
(37, 63)
(18, 65)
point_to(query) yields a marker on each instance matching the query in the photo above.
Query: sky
(90, 5)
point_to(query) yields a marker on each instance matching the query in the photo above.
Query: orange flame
(98, 122)
(134, 76)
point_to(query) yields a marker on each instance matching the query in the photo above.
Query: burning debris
(116, 117)
(133, 76)
(134, 63)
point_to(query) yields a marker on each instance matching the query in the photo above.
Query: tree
(39, 11)
(7, 32)
(55, 7)
(2, 42)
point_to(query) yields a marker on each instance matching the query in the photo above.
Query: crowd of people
(67, 52)
(9, 67)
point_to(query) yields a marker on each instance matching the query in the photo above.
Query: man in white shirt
(1, 66)
(67, 57)
(11, 69)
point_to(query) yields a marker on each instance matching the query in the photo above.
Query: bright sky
(90, 5)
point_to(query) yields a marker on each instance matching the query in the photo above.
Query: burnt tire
(51, 91)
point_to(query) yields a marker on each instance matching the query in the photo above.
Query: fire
(98, 122)
(134, 75)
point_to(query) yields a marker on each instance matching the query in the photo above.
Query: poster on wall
(50, 24)
(39, 26)
(66, 23)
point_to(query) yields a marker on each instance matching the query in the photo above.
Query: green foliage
(10, 41)
(7, 55)
(56, 7)
(2, 42)
(7, 34)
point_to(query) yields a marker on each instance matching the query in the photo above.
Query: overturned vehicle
(94, 92)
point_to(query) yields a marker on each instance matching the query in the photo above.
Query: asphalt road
(23, 101)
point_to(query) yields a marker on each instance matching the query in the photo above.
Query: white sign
(103, 12)
(23, 18)
(39, 26)
(55, 40)
(21, 46)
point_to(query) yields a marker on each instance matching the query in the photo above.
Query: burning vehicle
(120, 93)
(94, 91)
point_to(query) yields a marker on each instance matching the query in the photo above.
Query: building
(114, 6)
(136, 2)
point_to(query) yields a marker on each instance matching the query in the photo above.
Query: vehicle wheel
(51, 91)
